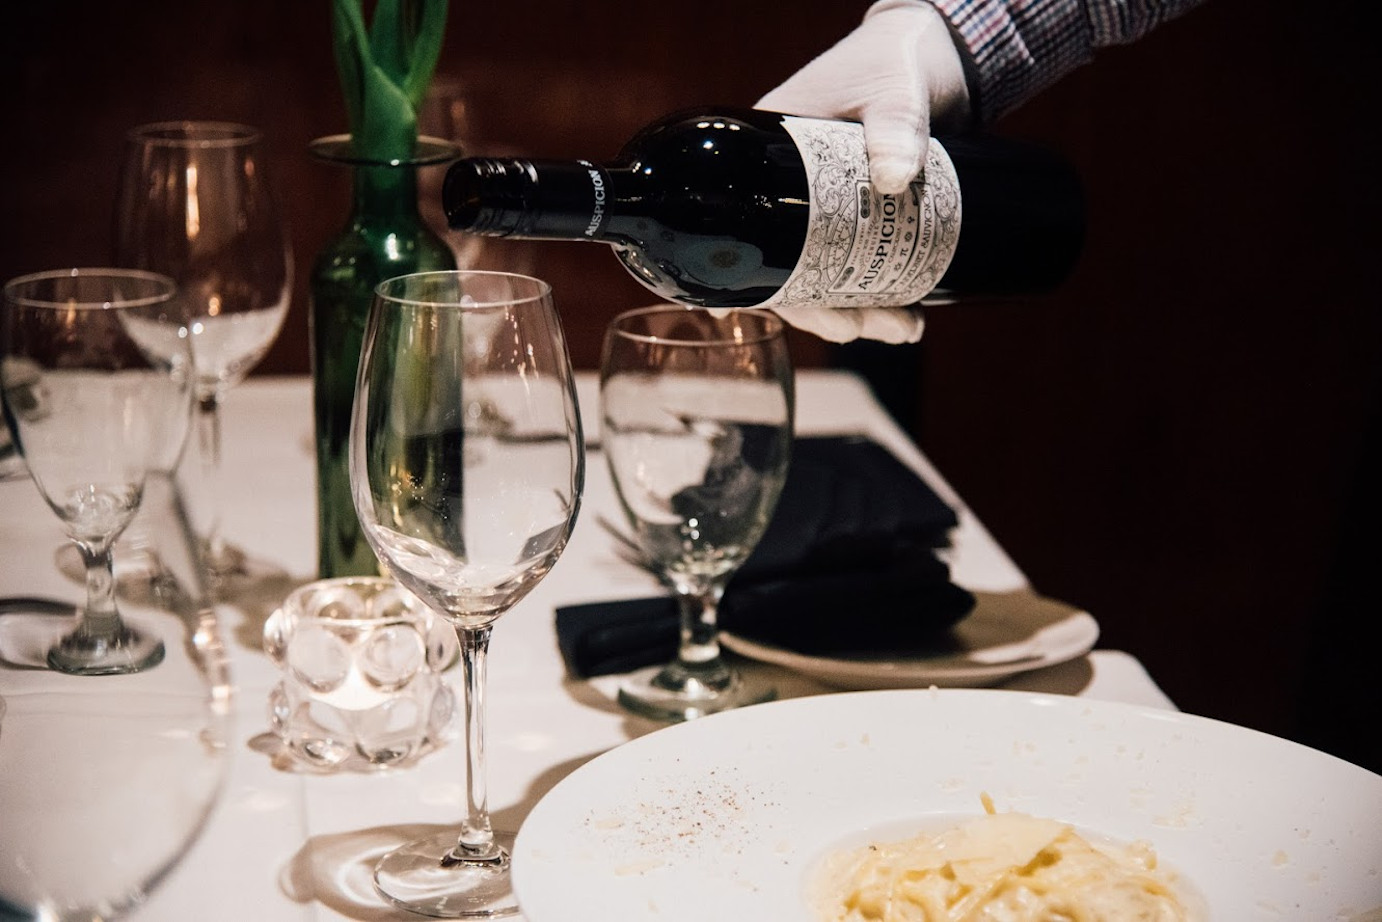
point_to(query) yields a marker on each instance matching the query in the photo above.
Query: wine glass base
(664, 693)
(422, 877)
(127, 651)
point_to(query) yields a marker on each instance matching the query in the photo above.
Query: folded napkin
(847, 565)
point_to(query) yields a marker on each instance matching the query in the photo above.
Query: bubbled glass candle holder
(363, 686)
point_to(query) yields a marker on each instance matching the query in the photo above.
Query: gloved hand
(897, 73)
(843, 324)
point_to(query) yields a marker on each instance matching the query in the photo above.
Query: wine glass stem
(699, 626)
(209, 447)
(100, 620)
(476, 841)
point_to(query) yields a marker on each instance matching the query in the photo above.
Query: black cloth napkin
(847, 565)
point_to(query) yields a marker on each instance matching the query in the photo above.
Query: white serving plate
(724, 817)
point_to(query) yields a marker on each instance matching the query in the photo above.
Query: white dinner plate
(725, 817)
(1006, 634)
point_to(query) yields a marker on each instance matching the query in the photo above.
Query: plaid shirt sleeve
(1019, 47)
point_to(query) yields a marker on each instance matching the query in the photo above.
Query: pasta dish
(999, 867)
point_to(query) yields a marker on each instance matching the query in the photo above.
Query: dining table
(287, 842)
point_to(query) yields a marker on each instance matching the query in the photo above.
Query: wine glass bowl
(697, 412)
(194, 203)
(109, 779)
(467, 515)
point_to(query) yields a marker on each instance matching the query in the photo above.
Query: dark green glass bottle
(384, 237)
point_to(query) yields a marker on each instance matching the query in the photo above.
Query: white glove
(896, 73)
(842, 324)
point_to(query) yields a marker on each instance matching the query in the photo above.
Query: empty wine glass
(466, 515)
(194, 203)
(696, 412)
(94, 409)
(114, 740)
(108, 779)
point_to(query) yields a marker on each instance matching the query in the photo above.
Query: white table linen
(287, 845)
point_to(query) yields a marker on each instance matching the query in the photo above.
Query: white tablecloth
(290, 845)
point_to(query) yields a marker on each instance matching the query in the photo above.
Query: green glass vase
(385, 236)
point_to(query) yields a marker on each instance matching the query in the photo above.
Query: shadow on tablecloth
(336, 869)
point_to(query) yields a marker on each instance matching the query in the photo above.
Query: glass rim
(196, 134)
(427, 151)
(542, 289)
(774, 327)
(294, 602)
(168, 288)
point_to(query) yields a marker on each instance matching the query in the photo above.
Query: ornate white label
(864, 249)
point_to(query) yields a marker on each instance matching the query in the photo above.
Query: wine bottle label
(863, 248)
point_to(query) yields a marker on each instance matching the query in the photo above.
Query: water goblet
(93, 409)
(696, 415)
(194, 203)
(468, 516)
(113, 748)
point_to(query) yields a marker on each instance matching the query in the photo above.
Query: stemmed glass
(696, 411)
(93, 409)
(194, 203)
(113, 747)
(466, 515)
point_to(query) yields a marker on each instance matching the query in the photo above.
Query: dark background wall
(1181, 440)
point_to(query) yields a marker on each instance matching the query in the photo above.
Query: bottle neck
(535, 199)
(385, 192)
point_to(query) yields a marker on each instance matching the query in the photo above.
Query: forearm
(1016, 48)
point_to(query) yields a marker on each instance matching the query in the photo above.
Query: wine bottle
(742, 207)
